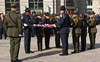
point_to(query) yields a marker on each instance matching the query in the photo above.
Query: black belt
(92, 27)
(63, 26)
(12, 26)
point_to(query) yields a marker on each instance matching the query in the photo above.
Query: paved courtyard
(52, 55)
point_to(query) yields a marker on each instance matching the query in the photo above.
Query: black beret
(62, 8)
(27, 10)
(47, 14)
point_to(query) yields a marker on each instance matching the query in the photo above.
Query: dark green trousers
(14, 48)
(57, 38)
(76, 42)
(39, 41)
(92, 37)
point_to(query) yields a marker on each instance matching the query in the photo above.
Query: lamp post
(53, 6)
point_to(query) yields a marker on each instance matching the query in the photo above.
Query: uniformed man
(52, 20)
(13, 27)
(83, 18)
(92, 22)
(43, 15)
(33, 18)
(1, 25)
(64, 23)
(39, 31)
(2, 18)
(76, 31)
(47, 31)
(55, 20)
(27, 30)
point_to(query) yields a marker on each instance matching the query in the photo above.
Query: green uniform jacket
(53, 20)
(92, 25)
(39, 30)
(77, 25)
(13, 29)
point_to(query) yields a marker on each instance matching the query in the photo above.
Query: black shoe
(31, 52)
(74, 52)
(0, 37)
(58, 47)
(90, 48)
(40, 50)
(33, 35)
(5, 38)
(18, 61)
(12, 61)
(82, 50)
(47, 48)
(63, 54)
(27, 52)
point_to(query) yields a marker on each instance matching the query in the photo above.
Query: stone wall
(2, 6)
(96, 6)
(49, 3)
(80, 4)
(23, 3)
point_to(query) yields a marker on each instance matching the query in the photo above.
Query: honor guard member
(52, 20)
(76, 31)
(92, 22)
(43, 15)
(83, 18)
(13, 27)
(64, 23)
(39, 31)
(27, 30)
(47, 31)
(33, 18)
(56, 30)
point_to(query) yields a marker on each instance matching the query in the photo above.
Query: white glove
(25, 25)
(54, 25)
(20, 35)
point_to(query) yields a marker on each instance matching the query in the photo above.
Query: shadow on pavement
(55, 52)
(87, 46)
(42, 55)
(96, 46)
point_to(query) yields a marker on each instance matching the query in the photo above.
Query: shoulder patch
(19, 15)
(6, 14)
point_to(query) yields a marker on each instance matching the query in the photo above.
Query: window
(89, 9)
(89, 2)
(36, 4)
(69, 3)
(8, 5)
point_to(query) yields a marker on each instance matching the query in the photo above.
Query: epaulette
(6, 14)
(19, 15)
(76, 19)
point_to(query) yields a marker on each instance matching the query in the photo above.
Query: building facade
(52, 6)
(93, 5)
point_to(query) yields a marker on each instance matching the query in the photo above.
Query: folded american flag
(43, 25)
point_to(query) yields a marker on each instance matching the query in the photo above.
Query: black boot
(18, 61)
(12, 61)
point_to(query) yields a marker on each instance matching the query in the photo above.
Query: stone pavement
(52, 55)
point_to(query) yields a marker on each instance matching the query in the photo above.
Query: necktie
(2, 19)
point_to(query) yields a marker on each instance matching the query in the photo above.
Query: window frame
(8, 9)
(36, 4)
